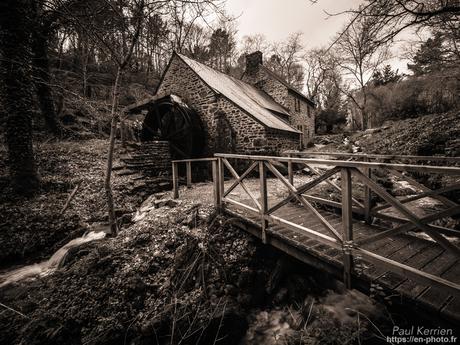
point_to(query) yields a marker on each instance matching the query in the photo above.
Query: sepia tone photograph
(229, 172)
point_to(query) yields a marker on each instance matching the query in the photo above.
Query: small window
(297, 104)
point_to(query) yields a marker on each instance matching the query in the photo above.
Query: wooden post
(367, 196)
(220, 182)
(347, 224)
(264, 199)
(216, 183)
(175, 180)
(290, 171)
(188, 166)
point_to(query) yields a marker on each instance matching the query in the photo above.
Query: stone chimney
(253, 62)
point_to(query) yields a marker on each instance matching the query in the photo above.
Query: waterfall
(49, 266)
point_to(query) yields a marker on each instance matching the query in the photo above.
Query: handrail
(351, 172)
(188, 164)
(375, 156)
(348, 164)
(209, 159)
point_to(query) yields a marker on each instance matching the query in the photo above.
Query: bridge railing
(369, 211)
(188, 173)
(368, 157)
(351, 174)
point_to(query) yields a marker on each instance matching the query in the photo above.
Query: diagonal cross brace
(443, 199)
(409, 226)
(422, 195)
(295, 193)
(241, 183)
(401, 208)
(239, 179)
(316, 172)
(302, 189)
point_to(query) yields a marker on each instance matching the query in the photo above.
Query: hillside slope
(437, 134)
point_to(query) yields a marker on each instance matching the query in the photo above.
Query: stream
(49, 266)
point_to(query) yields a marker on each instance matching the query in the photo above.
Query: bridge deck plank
(436, 267)
(424, 255)
(413, 251)
(445, 304)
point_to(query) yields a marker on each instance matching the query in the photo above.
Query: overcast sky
(276, 19)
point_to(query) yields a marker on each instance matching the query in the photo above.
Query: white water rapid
(49, 266)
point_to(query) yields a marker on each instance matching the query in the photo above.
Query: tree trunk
(43, 79)
(364, 108)
(108, 173)
(16, 91)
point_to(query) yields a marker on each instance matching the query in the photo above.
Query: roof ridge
(216, 70)
(249, 98)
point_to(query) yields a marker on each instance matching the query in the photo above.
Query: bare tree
(252, 43)
(323, 77)
(285, 59)
(196, 45)
(399, 15)
(119, 38)
(118, 42)
(359, 52)
(316, 70)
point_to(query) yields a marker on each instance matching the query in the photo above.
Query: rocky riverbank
(182, 274)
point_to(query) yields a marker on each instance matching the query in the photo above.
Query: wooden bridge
(344, 220)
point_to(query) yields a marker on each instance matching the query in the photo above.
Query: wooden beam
(315, 171)
(241, 183)
(175, 177)
(221, 173)
(410, 272)
(318, 236)
(188, 166)
(305, 188)
(194, 160)
(351, 164)
(216, 183)
(290, 172)
(411, 217)
(240, 205)
(347, 226)
(375, 156)
(264, 199)
(239, 179)
(367, 197)
(420, 196)
(409, 226)
(424, 188)
(304, 202)
(280, 243)
(337, 205)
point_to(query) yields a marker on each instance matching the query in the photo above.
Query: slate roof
(289, 86)
(254, 101)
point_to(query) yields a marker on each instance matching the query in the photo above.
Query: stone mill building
(259, 114)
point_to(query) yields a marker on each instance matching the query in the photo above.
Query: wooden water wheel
(168, 118)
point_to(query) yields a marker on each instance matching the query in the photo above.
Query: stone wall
(275, 89)
(249, 134)
(263, 81)
(280, 141)
(182, 81)
(303, 117)
(151, 158)
(228, 127)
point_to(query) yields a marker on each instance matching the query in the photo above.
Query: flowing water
(49, 266)
(275, 326)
